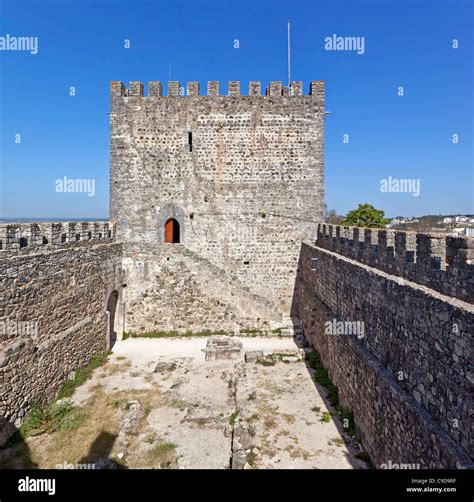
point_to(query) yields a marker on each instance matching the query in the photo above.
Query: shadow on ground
(303, 342)
(14, 451)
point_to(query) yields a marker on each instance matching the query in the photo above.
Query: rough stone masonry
(409, 380)
(242, 176)
(65, 280)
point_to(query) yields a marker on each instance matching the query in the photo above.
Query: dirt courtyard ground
(157, 403)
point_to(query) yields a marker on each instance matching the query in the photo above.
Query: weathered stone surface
(401, 378)
(64, 292)
(238, 461)
(165, 366)
(252, 356)
(258, 356)
(434, 260)
(222, 347)
(243, 177)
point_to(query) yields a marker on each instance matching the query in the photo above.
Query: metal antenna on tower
(289, 56)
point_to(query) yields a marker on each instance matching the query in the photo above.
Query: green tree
(367, 216)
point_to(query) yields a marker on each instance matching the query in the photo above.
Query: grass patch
(268, 408)
(163, 456)
(69, 386)
(296, 452)
(62, 416)
(321, 376)
(364, 456)
(316, 409)
(72, 421)
(252, 332)
(181, 404)
(269, 423)
(252, 396)
(336, 441)
(118, 403)
(326, 417)
(163, 367)
(347, 419)
(233, 418)
(204, 333)
(35, 424)
(202, 422)
(151, 437)
(267, 361)
(175, 333)
(290, 419)
(149, 379)
(251, 458)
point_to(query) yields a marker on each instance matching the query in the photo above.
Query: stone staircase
(250, 310)
(232, 290)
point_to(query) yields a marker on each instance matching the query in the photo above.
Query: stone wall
(441, 262)
(53, 319)
(243, 176)
(22, 237)
(171, 288)
(409, 378)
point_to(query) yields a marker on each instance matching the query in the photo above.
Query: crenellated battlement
(443, 263)
(16, 237)
(192, 89)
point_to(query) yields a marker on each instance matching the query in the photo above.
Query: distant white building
(463, 232)
(402, 221)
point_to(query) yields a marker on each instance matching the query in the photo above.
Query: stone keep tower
(212, 196)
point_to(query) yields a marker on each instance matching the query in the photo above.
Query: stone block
(222, 347)
(253, 356)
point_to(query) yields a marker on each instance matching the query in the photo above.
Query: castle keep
(216, 210)
(235, 181)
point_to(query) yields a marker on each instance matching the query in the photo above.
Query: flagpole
(289, 57)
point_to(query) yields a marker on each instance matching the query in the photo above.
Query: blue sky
(81, 44)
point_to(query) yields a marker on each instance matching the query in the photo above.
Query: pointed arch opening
(172, 231)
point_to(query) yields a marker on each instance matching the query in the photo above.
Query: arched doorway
(172, 231)
(111, 311)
